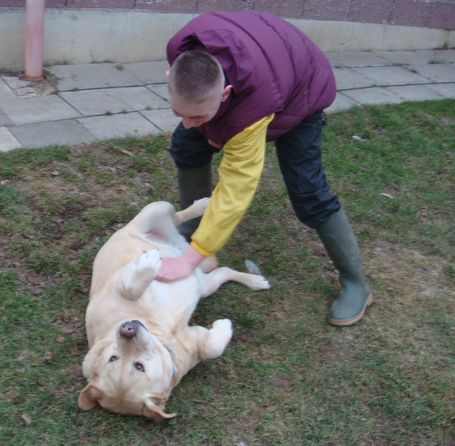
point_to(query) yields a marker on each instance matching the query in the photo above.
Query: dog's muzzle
(129, 329)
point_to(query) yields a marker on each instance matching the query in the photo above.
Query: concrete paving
(107, 101)
(94, 102)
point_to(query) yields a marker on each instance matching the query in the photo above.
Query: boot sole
(356, 318)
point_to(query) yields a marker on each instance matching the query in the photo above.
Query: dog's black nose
(128, 329)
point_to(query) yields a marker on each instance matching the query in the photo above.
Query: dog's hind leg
(157, 221)
(134, 278)
(195, 210)
(212, 281)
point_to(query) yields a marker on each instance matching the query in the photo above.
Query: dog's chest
(171, 300)
(162, 304)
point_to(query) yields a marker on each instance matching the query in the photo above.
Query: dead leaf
(23, 355)
(26, 419)
(126, 152)
(47, 358)
(34, 279)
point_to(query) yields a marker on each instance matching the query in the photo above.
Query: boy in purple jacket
(238, 80)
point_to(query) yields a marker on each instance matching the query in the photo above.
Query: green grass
(287, 378)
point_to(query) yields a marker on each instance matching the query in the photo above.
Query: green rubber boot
(341, 246)
(194, 184)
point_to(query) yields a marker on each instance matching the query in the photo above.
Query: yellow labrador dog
(140, 343)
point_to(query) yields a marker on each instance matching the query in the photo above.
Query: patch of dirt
(68, 322)
(413, 275)
(24, 88)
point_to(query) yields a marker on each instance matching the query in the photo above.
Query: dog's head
(131, 373)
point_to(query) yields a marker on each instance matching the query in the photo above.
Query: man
(237, 80)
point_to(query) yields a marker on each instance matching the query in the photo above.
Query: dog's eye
(139, 366)
(113, 358)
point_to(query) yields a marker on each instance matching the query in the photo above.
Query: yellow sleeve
(239, 173)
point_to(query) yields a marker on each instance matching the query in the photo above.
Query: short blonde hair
(195, 75)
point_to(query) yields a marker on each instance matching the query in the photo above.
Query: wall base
(85, 36)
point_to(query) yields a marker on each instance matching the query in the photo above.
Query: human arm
(239, 174)
(176, 268)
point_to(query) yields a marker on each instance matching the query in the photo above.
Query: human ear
(226, 92)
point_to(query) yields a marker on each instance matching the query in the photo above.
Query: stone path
(93, 102)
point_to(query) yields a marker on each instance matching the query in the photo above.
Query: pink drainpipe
(34, 39)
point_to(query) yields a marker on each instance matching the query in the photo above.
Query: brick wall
(423, 13)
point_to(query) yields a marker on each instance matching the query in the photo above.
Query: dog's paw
(225, 323)
(137, 275)
(201, 204)
(219, 336)
(149, 262)
(256, 282)
(223, 329)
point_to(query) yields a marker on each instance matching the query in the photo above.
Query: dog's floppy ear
(89, 397)
(153, 409)
(88, 365)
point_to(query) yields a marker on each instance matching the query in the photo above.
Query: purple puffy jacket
(272, 66)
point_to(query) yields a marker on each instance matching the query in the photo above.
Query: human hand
(179, 267)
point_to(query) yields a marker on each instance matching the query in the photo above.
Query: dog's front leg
(212, 342)
(136, 276)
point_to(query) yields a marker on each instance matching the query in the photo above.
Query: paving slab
(118, 126)
(407, 57)
(161, 90)
(5, 91)
(447, 91)
(444, 56)
(27, 110)
(384, 76)
(165, 120)
(4, 120)
(149, 72)
(7, 140)
(87, 76)
(113, 100)
(356, 59)
(415, 92)
(436, 72)
(106, 100)
(51, 133)
(342, 102)
(373, 95)
(348, 78)
(20, 87)
(421, 57)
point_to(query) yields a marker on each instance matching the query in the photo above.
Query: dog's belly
(171, 301)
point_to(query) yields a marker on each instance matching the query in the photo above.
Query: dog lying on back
(140, 343)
